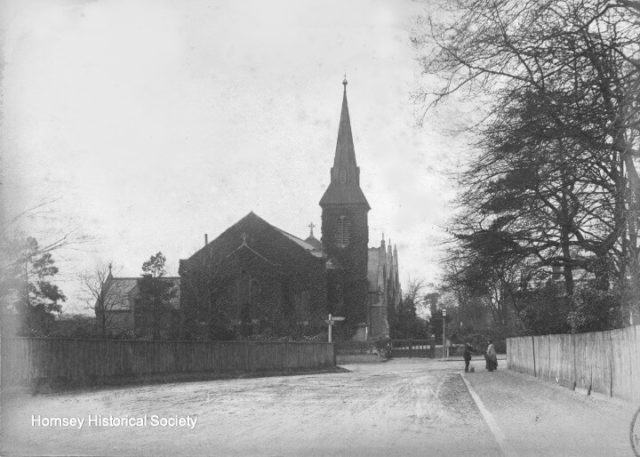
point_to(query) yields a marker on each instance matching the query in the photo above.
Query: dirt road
(403, 407)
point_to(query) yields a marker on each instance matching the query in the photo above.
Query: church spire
(345, 173)
(345, 230)
(345, 152)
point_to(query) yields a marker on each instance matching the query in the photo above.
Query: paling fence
(605, 362)
(26, 361)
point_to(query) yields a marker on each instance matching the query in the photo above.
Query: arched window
(343, 231)
(254, 291)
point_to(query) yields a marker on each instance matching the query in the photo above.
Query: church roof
(257, 235)
(245, 246)
(345, 174)
(345, 152)
(313, 241)
(313, 250)
(337, 194)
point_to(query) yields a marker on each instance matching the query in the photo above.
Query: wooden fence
(28, 361)
(604, 362)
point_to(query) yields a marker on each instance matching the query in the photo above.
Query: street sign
(331, 321)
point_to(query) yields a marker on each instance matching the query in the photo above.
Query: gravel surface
(403, 408)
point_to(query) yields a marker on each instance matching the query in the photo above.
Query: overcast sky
(146, 124)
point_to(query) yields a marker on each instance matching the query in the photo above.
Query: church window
(247, 292)
(302, 304)
(343, 231)
(254, 291)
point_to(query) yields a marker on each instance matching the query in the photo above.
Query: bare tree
(104, 297)
(11, 233)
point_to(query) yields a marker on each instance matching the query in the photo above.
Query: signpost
(332, 320)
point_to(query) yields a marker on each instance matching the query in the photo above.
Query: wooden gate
(411, 348)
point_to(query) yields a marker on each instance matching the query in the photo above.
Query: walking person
(491, 357)
(467, 356)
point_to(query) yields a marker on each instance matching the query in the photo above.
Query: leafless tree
(104, 297)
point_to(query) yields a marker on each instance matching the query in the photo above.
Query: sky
(141, 125)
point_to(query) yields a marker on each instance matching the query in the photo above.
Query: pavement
(405, 407)
(535, 417)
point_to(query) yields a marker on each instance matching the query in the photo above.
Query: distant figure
(467, 356)
(491, 357)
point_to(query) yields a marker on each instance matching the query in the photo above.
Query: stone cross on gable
(311, 226)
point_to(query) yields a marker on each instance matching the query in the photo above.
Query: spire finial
(345, 82)
(110, 266)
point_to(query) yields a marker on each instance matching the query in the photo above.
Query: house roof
(121, 292)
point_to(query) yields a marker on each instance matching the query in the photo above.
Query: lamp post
(444, 333)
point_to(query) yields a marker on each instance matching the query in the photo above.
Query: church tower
(345, 231)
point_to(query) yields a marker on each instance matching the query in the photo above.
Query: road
(405, 407)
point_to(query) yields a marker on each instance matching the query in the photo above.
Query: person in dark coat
(467, 356)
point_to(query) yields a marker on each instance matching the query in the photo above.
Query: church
(256, 279)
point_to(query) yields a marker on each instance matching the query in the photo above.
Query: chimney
(206, 239)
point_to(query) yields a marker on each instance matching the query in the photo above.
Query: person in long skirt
(491, 357)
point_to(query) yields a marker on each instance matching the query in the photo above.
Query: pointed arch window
(254, 291)
(343, 231)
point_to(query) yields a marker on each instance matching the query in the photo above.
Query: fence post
(610, 364)
(635, 344)
(533, 348)
(575, 368)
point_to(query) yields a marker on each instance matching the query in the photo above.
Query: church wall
(379, 324)
(283, 272)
